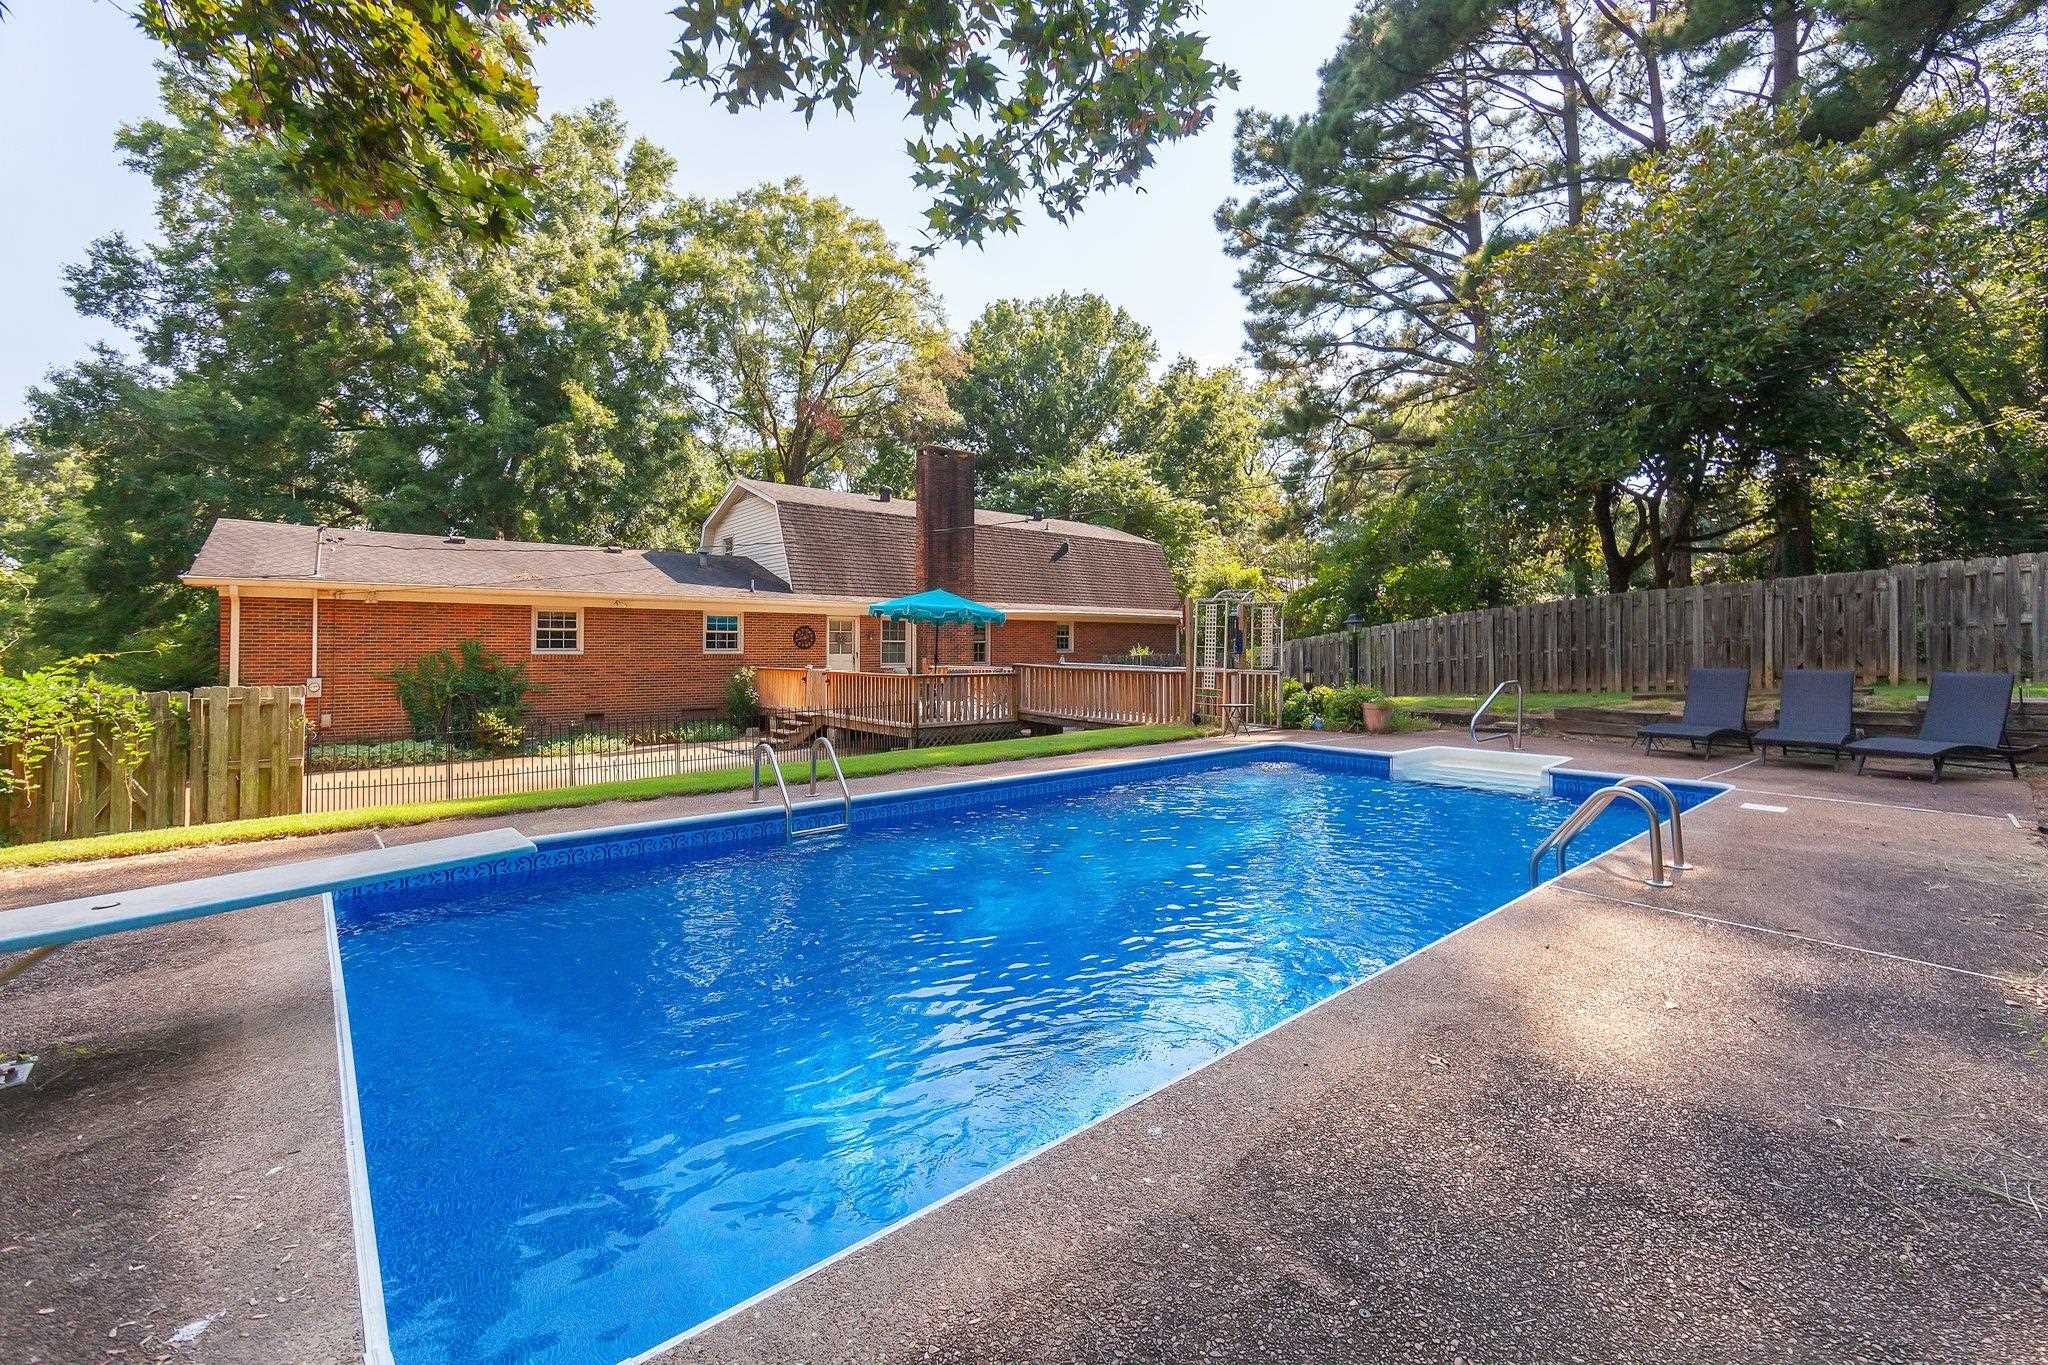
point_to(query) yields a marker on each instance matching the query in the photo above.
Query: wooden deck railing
(1104, 695)
(903, 703)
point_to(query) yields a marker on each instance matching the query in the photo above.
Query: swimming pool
(605, 1091)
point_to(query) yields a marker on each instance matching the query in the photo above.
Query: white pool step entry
(1500, 770)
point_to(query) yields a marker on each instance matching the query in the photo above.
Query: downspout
(319, 541)
(234, 635)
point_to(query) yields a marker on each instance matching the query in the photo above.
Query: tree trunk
(1793, 511)
(1574, 159)
(1785, 17)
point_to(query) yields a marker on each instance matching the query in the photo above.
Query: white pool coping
(114, 912)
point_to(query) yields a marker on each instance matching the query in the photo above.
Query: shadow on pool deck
(1581, 1129)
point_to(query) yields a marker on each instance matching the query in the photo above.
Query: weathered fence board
(1894, 625)
(220, 753)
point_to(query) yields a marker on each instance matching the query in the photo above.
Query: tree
(1446, 132)
(418, 104)
(816, 346)
(1204, 433)
(1404, 555)
(1119, 491)
(1624, 388)
(1061, 100)
(291, 363)
(1047, 381)
(413, 105)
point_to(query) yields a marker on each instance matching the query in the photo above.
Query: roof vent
(454, 537)
(613, 550)
(884, 495)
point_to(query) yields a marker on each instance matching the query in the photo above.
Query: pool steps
(1524, 774)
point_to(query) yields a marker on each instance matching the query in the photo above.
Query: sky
(73, 71)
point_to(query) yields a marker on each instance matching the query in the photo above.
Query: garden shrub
(397, 753)
(742, 699)
(1344, 707)
(499, 731)
(582, 744)
(444, 693)
(701, 732)
(44, 708)
(1294, 705)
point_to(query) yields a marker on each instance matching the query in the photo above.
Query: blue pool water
(608, 1102)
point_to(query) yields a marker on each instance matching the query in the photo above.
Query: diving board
(44, 926)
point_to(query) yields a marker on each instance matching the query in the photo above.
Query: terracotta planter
(1378, 717)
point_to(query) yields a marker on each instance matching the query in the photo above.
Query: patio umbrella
(937, 607)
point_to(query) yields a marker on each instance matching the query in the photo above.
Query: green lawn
(1881, 697)
(1535, 703)
(641, 789)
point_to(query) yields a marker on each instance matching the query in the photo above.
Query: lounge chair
(1716, 709)
(1965, 722)
(1815, 714)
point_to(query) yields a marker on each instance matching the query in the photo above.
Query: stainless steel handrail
(1678, 862)
(1589, 809)
(766, 749)
(1514, 736)
(845, 796)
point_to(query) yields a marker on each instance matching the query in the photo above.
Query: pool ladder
(1514, 736)
(766, 749)
(1629, 789)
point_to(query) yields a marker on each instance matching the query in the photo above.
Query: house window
(1063, 638)
(980, 655)
(721, 634)
(558, 632)
(895, 643)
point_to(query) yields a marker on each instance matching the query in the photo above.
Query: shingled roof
(262, 551)
(857, 545)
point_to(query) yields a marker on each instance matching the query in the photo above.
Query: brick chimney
(945, 519)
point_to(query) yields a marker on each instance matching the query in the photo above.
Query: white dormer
(745, 523)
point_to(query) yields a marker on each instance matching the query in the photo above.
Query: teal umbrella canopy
(938, 607)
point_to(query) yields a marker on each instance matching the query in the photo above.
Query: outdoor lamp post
(1351, 625)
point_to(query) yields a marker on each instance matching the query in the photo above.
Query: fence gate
(1237, 656)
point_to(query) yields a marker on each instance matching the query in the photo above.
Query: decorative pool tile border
(1577, 786)
(763, 826)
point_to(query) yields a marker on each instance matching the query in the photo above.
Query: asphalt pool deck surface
(1795, 1108)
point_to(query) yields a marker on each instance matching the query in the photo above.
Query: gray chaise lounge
(1816, 714)
(1965, 723)
(1716, 710)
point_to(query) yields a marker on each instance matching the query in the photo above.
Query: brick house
(783, 576)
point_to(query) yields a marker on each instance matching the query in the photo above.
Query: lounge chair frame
(1986, 757)
(1707, 738)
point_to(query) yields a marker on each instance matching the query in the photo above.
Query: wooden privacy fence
(220, 753)
(1887, 625)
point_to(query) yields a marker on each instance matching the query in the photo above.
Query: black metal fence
(540, 755)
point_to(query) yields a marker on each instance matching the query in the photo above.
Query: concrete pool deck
(1792, 1108)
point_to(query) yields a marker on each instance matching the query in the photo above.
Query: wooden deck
(922, 706)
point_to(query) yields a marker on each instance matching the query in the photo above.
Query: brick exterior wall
(636, 662)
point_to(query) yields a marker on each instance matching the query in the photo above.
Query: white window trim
(704, 631)
(981, 640)
(909, 643)
(1057, 627)
(533, 629)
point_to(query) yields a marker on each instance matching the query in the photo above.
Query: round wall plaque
(804, 637)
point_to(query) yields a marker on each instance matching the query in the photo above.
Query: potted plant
(1375, 711)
